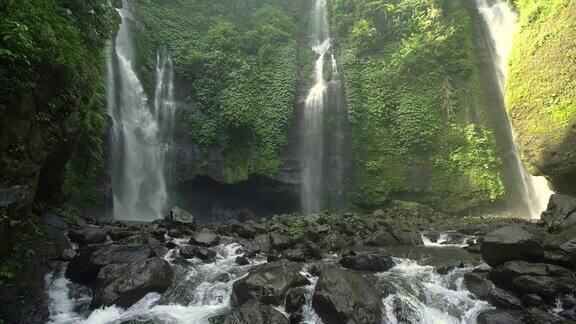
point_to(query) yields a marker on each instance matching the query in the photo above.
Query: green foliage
(240, 59)
(406, 68)
(541, 87)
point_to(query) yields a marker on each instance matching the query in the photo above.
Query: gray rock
(280, 241)
(200, 252)
(380, 238)
(179, 216)
(406, 238)
(205, 238)
(367, 261)
(561, 211)
(478, 284)
(125, 284)
(268, 283)
(510, 243)
(498, 316)
(255, 312)
(545, 287)
(67, 254)
(504, 273)
(342, 296)
(88, 235)
(242, 260)
(534, 315)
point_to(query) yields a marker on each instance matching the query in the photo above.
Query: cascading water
(139, 132)
(501, 23)
(313, 124)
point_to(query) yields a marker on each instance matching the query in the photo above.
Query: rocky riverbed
(315, 269)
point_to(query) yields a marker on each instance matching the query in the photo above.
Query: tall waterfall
(501, 23)
(313, 128)
(140, 131)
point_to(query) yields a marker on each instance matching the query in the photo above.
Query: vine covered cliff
(541, 92)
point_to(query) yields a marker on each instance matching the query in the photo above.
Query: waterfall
(501, 22)
(312, 144)
(140, 131)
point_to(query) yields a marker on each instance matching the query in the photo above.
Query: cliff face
(541, 92)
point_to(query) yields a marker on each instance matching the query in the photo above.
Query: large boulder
(504, 273)
(268, 283)
(510, 243)
(342, 296)
(180, 217)
(545, 287)
(406, 238)
(367, 261)
(255, 312)
(380, 238)
(205, 238)
(560, 248)
(88, 235)
(280, 241)
(302, 252)
(84, 267)
(499, 316)
(125, 284)
(561, 211)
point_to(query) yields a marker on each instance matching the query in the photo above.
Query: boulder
(545, 287)
(268, 283)
(280, 241)
(84, 267)
(342, 296)
(254, 312)
(334, 241)
(367, 261)
(380, 238)
(205, 238)
(503, 299)
(406, 238)
(446, 266)
(67, 254)
(561, 212)
(295, 300)
(302, 252)
(478, 284)
(180, 217)
(534, 315)
(432, 236)
(499, 316)
(560, 248)
(125, 284)
(242, 260)
(504, 273)
(244, 231)
(88, 235)
(510, 243)
(533, 300)
(200, 252)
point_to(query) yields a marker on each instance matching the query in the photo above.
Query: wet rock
(454, 238)
(342, 296)
(205, 238)
(449, 265)
(367, 261)
(533, 300)
(200, 252)
(251, 249)
(54, 221)
(510, 243)
(68, 254)
(504, 273)
(380, 238)
(180, 217)
(125, 284)
(406, 238)
(242, 260)
(268, 283)
(245, 231)
(175, 232)
(560, 248)
(545, 287)
(170, 245)
(84, 267)
(295, 299)
(334, 241)
(432, 236)
(474, 248)
(315, 268)
(534, 315)
(561, 212)
(255, 312)
(302, 252)
(478, 284)
(498, 316)
(88, 235)
(222, 277)
(280, 241)
(503, 299)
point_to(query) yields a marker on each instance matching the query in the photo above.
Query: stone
(504, 273)
(478, 284)
(446, 266)
(342, 296)
(367, 261)
(268, 283)
(67, 254)
(280, 241)
(125, 284)
(510, 243)
(405, 238)
(561, 212)
(432, 236)
(380, 238)
(499, 316)
(84, 267)
(205, 238)
(303, 252)
(545, 287)
(255, 312)
(504, 299)
(533, 300)
(295, 299)
(175, 232)
(88, 235)
(534, 315)
(179, 216)
(334, 241)
(242, 260)
(244, 231)
(560, 248)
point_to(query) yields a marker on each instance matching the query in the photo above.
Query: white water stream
(140, 131)
(501, 21)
